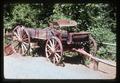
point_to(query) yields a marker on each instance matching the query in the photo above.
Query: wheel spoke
(16, 47)
(24, 36)
(57, 46)
(18, 31)
(49, 47)
(47, 55)
(25, 39)
(21, 32)
(49, 52)
(26, 43)
(24, 47)
(19, 49)
(51, 43)
(16, 35)
(56, 58)
(57, 55)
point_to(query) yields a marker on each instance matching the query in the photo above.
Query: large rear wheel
(54, 50)
(93, 46)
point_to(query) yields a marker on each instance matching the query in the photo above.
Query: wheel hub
(53, 51)
(20, 40)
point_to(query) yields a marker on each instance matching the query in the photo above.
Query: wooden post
(96, 63)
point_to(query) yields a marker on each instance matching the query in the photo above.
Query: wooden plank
(94, 58)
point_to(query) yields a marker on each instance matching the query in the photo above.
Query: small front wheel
(21, 40)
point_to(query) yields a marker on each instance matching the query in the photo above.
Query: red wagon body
(56, 39)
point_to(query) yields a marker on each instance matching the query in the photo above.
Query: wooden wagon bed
(37, 33)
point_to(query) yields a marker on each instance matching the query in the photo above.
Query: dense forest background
(99, 19)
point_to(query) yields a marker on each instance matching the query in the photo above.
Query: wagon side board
(42, 34)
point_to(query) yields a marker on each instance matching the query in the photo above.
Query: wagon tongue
(93, 57)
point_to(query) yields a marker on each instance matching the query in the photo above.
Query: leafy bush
(103, 35)
(24, 14)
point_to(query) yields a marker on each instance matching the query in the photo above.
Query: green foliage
(103, 35)
(107, 52)
(70, 54)
(99, 19)
(24, 14)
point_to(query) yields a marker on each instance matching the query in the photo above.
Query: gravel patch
(18, 67)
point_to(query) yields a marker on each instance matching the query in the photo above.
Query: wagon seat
(63, 23)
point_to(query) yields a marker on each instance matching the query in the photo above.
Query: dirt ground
(19, 67)
(109, 72)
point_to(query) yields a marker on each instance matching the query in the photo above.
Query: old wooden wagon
(59, 36)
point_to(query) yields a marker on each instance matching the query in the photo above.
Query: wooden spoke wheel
(54, 50)
(93, 46)
(21, 40)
